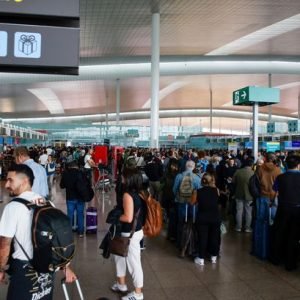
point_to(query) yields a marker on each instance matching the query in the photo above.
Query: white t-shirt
(86, 161)
(16, 222)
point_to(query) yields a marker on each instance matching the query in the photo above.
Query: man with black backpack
(26, 282)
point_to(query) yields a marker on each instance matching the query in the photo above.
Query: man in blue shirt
(40, 184)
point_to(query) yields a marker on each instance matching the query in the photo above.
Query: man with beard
(15, 226)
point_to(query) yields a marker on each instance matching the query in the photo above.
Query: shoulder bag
(119, 245)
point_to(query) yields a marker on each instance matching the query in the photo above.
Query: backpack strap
(23, 250)
(29, 207)
(23, 201)
(134, 223)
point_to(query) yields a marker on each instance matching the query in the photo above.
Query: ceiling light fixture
(166, 113)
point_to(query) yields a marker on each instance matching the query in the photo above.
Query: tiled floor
(237, 275)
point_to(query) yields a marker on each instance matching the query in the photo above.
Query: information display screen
(54, 8)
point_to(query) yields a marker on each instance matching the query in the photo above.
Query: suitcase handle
(63, 284)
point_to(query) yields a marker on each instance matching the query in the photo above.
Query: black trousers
(208, 238)
(285, 236)
(27, 284)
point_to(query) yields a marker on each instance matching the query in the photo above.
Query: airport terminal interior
(154, 74)
(237, 275)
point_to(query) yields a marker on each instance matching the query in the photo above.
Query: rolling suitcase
(91, 220)
(64, 287)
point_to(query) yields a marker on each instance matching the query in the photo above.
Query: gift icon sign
(3, 43)
(27, 45)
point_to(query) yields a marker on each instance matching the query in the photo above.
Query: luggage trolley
(103, 183)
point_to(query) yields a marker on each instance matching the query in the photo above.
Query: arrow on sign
(244, 95)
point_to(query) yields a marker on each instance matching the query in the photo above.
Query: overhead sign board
(132, 133)
(38, 46)
(273, 146)
(252, 94)
(3, 43)
(55, 8)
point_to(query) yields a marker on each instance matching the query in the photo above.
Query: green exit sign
(253, 94)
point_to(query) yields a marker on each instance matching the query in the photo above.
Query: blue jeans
(263, 209)
(77, 205)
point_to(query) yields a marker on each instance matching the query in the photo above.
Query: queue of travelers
(198, 190)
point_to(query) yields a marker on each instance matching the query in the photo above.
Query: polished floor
(237, 275)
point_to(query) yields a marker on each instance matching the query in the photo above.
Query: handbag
(119, 245)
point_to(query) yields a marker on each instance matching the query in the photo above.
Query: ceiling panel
(119, 28)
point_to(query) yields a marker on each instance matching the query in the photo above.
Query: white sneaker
(238, 229)
(248, 230)
(119, 288)
(133, 296)
(199, 261)
(213, 259)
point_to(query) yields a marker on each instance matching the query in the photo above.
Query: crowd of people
(200, 191)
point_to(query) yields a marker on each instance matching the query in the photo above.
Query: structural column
(255, 131)
(299, 106)
(270, 106)
(210, 109)
(106, 117)
(154, 121)
(118, 102)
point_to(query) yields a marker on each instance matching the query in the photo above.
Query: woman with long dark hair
(133, 207)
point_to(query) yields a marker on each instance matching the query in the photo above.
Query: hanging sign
(39, 46)
(54, 8)
(253, 94)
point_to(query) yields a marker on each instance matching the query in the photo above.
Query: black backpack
(254, 186)
(81, 161)
(52, 237)
(84, 188)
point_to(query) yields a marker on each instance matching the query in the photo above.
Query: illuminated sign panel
(45, 46)
(3, 43)
(39, 36)
(56, 8)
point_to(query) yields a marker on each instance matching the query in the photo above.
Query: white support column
(154, 121)
(118, 102)
(106, 117)
(210, 110)
(255, 131)
(270, 106)
(299, 106)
